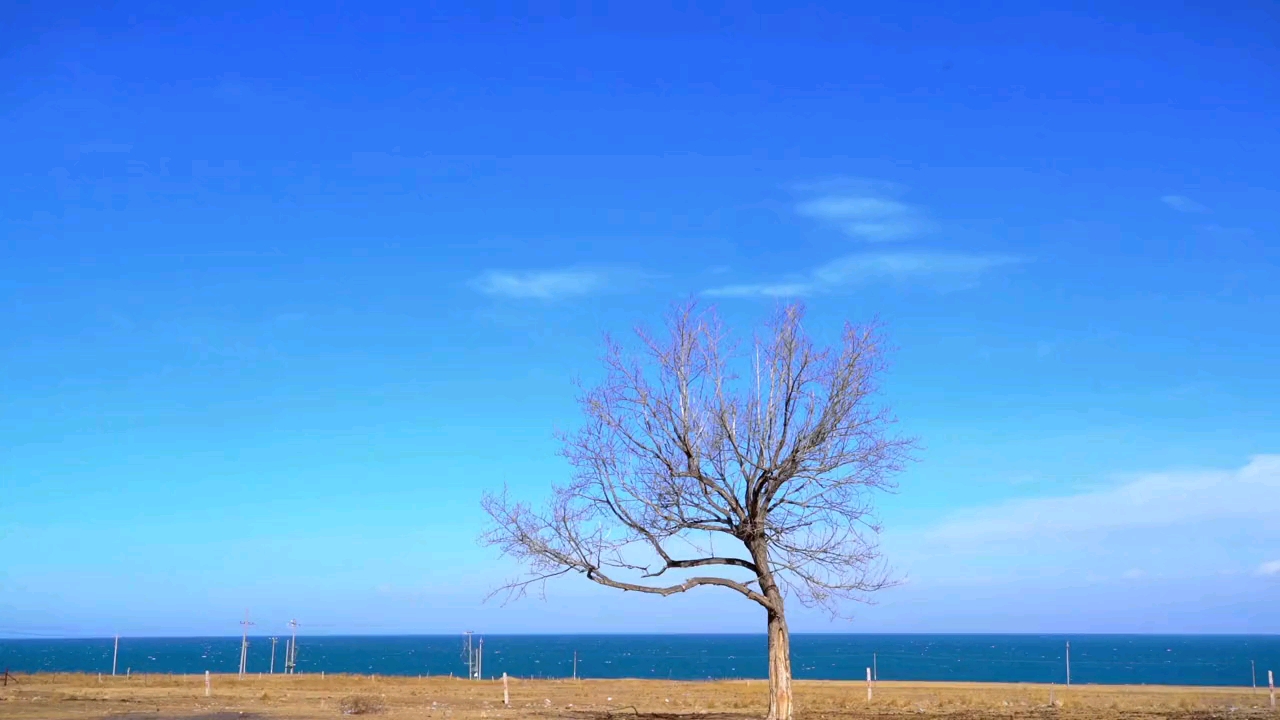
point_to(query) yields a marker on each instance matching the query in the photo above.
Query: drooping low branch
(702, 562)
(691, 583)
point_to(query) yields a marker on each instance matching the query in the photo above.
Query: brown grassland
(156, 697)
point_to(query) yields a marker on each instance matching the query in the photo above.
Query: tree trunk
(779, 665)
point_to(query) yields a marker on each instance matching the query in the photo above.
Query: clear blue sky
(282, 290)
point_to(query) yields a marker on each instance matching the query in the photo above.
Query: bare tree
(677, 450)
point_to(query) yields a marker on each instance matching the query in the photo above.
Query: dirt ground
(297, 697)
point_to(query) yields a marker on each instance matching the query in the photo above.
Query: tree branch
(702, 562)
(691, 583)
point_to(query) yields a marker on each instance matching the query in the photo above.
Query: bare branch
(675, 446)
(700, 562)
(689, 584)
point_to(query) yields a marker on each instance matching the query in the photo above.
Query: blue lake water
(1103, 659)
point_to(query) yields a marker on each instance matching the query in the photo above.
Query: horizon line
(38, 637)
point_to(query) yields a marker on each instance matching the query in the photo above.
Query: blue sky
(282, 291)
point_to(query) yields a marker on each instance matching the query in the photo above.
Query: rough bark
(779, 667)
(780, 699)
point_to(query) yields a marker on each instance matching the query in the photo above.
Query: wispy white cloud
(1143, 529)
(543, 284)
(1160, 499)
(871, 211)
(1184, 204)
(944, 269)
(768, 289)
(863, 209)
(902, 265)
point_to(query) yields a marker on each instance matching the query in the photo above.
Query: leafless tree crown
(678, 451)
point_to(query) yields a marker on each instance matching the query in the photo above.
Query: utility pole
(575, 664)
(115, 654)
(875, 672)
(1068, 663)
(291, 652)
(480, 660)
(1253, 670)
(272, 671)
(244, 643)
(471, 657)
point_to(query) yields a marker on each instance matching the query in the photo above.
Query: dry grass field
(161, 697)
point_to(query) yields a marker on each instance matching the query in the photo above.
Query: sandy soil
(161, 697)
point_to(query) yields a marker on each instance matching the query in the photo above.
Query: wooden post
(1253, 672)
(1271, 683)
(875, 672)
(506, 698)
(868, 684)
(208, 684)
(575, 664)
